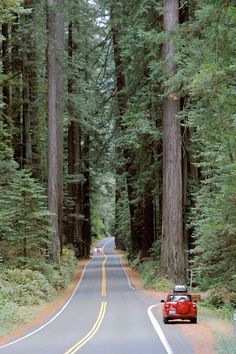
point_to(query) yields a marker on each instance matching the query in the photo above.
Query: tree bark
(55, 123)
(16, 94)
(70, 230)
(86, 234)
(27, 119)
(30, 89)
(60, 114)
(6, 71)
(148, 229)
(74, 223)
(173, 251)
(121, 151)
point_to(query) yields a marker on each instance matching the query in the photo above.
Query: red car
(179, 305)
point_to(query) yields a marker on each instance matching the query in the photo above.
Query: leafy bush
(220, 297)
(11, 316)
(21, 288)
(25, 287)
(28, 287)
(62, 276)
(226, 346)
(149, 270)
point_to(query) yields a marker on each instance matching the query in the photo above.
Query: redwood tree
(55, 121)
(172, 251)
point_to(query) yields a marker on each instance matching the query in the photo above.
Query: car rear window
(174, 298)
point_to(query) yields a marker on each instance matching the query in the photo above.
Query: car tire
(165, 320)
(193, 320)
(182, 306)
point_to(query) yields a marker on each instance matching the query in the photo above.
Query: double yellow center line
(92, 332)
(101, 315)
(104, 278)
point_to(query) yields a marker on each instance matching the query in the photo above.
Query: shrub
(149, 270)
(25, 287)
(226, 346)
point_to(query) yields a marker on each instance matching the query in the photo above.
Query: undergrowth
(150, 277)
(23, 288)
(226, 346)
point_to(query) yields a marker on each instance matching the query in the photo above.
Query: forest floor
(203, 338)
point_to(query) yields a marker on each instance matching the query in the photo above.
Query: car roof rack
(180, 289)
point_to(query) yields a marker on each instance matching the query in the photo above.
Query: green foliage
(150, 274)
(102, 205)
(20, 289)
(226, 346)
(122, 217)
(206, 62)
(63, 275)
(12, 316)
(57, 278)
(24, 218)
(8, 8)
(24, 287)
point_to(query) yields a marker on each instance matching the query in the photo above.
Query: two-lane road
(105, 315)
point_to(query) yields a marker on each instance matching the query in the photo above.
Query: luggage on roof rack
(180, 288)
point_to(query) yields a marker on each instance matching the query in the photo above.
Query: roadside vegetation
(22, 290)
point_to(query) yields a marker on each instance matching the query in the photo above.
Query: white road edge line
(53, 318)
(130, 285)
(107, 242)
(159, 331)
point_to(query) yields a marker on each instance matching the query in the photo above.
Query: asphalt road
(105, 315)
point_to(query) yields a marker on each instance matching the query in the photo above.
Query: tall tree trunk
(70, 229)
(190, 172)
(74, 224)
(121, 101)
(148, 225)
(86, 200)
(55, 122)
(173, 251)
(122, 106)
(119, 189)
(29, 78)
(27, 119)
(16, 94)
(30, 89)
(6, 71)
(60, 114)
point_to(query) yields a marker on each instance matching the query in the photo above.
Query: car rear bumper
(180, 316)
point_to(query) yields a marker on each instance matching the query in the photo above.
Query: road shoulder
(201, 336)
(46, 311)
